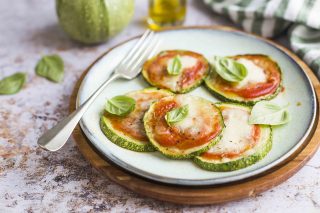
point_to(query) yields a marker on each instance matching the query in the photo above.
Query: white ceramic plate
(286, 140)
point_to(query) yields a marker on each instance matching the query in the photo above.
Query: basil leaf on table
(51, 67)
(268, 113)
(12, 84)
(120, 105)
(229, 69)
(175, 67)
(176, 115)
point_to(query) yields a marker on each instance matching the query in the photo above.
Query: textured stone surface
(32, 180)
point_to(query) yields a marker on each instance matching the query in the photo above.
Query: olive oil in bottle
(164, 13)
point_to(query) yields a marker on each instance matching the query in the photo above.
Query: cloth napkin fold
(269, 18)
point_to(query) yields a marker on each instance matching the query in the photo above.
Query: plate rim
(203, 182)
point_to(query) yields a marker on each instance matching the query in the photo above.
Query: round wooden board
(208, 194)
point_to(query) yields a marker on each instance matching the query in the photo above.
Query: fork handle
(56, 137)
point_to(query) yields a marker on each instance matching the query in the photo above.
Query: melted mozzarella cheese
(143, 100)
(186, 62)
(237, 134)
(200, 116)
(255, 73)
(171, 82)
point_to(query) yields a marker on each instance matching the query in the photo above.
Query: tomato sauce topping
(255, 135)
(256, 90)
(156, 69)
(172, 136)
(132, 124)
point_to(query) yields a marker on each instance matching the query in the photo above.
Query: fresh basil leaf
(51, 67)
(174, 68)
(176, 115)
(12, 84)
(120, 105)
(229, 69)
(268, 113)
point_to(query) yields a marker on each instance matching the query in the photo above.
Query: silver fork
(128, 68)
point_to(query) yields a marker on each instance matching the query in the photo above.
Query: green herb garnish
(229, 69)
(12, 84)
(176, 115)
(120, 105)
(51, 67)
(268, 113)
(175, 67)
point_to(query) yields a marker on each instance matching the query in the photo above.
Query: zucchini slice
(194, 68)
(241, 144)
(263, 81)
(195, 134)
(128, 131)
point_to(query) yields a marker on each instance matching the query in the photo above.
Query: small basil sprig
(229, 69)
(176, 115)
(120, 105)
(12, 84)
(175, 67)
(268, 113)
(51, 67)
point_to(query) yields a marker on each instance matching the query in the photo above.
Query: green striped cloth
(269, 18)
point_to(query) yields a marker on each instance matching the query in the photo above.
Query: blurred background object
(300, 20)
(164, 13)
(94, 21)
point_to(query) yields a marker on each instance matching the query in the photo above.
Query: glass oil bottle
(164, 13)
